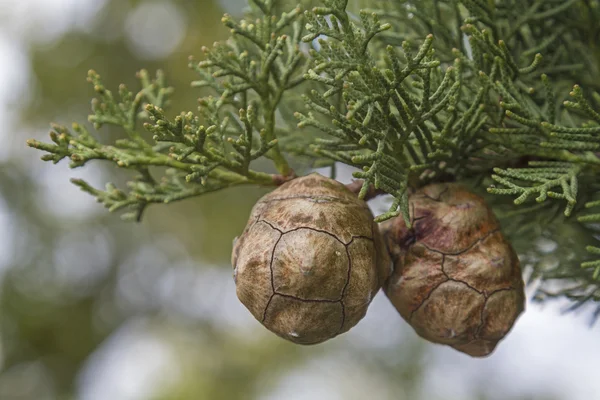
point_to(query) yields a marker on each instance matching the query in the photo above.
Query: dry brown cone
(310, 260)
(457, 280)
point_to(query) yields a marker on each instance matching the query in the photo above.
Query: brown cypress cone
(310, 260)
(456, 280)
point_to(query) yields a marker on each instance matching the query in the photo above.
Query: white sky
(545, 353)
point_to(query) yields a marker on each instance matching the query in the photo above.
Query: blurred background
(94, 308)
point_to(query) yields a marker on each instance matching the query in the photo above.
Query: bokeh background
(94, 308)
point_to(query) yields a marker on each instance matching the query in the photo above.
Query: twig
(357, 184)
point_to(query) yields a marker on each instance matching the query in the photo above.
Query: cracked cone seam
(456, 280)
(310, 260)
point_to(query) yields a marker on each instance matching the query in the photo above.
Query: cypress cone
(457, 280)
(310, 260)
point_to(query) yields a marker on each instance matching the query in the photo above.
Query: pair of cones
(311, 259)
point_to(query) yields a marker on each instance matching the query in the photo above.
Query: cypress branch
(407, 92)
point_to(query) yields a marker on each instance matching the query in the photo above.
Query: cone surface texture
(456, 280)
(310, 260)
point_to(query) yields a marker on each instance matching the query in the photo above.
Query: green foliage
(407, 119)
(592, 218)
(544, 176)
(407, 92)
(203, 152)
